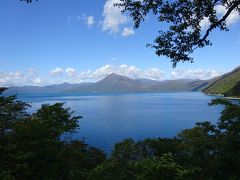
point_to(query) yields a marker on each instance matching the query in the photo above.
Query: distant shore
(228, 97)
(232, 98)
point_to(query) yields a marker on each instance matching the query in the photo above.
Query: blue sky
(72, 40)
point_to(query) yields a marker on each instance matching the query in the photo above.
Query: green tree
(159, 169)
(197, 150)
(11, 111)
(146, 169)
(112, 170)
(32, 146)
(183, 20)
(228, 139)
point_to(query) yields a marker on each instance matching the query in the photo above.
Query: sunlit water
(110, 118)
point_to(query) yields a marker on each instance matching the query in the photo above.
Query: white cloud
(57, 71)
(113, 17)
(71, 75)
(70, 72)
(32, 72)
(194, 74)
(20, 79)
(17, 75)
(90, 21)
(204, 24)
(126, 70)
(102, 72)
(38, 81)
(232, 18)
(154, 74)
(127, 31)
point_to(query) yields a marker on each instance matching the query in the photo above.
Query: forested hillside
(228, 84)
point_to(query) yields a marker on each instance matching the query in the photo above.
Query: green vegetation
(227, 85)
(182, 18)
(234, 91)
(38, 146)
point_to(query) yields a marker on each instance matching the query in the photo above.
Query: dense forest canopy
(32, 146)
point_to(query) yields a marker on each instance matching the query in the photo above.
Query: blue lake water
(110, 118)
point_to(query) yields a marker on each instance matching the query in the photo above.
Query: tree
(11, 111)
(32, 146)
(228, 140)
(156, 168)
(183, 20)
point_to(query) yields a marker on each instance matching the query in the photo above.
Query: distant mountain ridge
(227, 84)
(117, 83)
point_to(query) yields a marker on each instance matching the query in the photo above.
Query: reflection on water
(110, 118)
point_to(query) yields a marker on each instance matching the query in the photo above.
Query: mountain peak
(113, 74)
(116, 80)
(115, 77)
(117, 83)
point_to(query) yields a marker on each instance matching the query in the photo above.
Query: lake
(110, 118)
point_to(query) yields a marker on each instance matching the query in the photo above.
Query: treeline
(38, 146)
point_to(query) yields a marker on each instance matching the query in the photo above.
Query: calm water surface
(110, 118)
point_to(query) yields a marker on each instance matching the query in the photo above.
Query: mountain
(57, 88)
(115, 83)
(118, 83)
(228, 84)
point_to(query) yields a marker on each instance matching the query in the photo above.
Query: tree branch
(235, 5)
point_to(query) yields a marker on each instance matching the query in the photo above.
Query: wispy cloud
(194, 74)
(19, 78)
(56, 72)
(113, 20)
(70, 72)
(127, 31)
(89, 20)
(125, 70)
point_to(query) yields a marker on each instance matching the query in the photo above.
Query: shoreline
(221, 95)
(232, 98)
